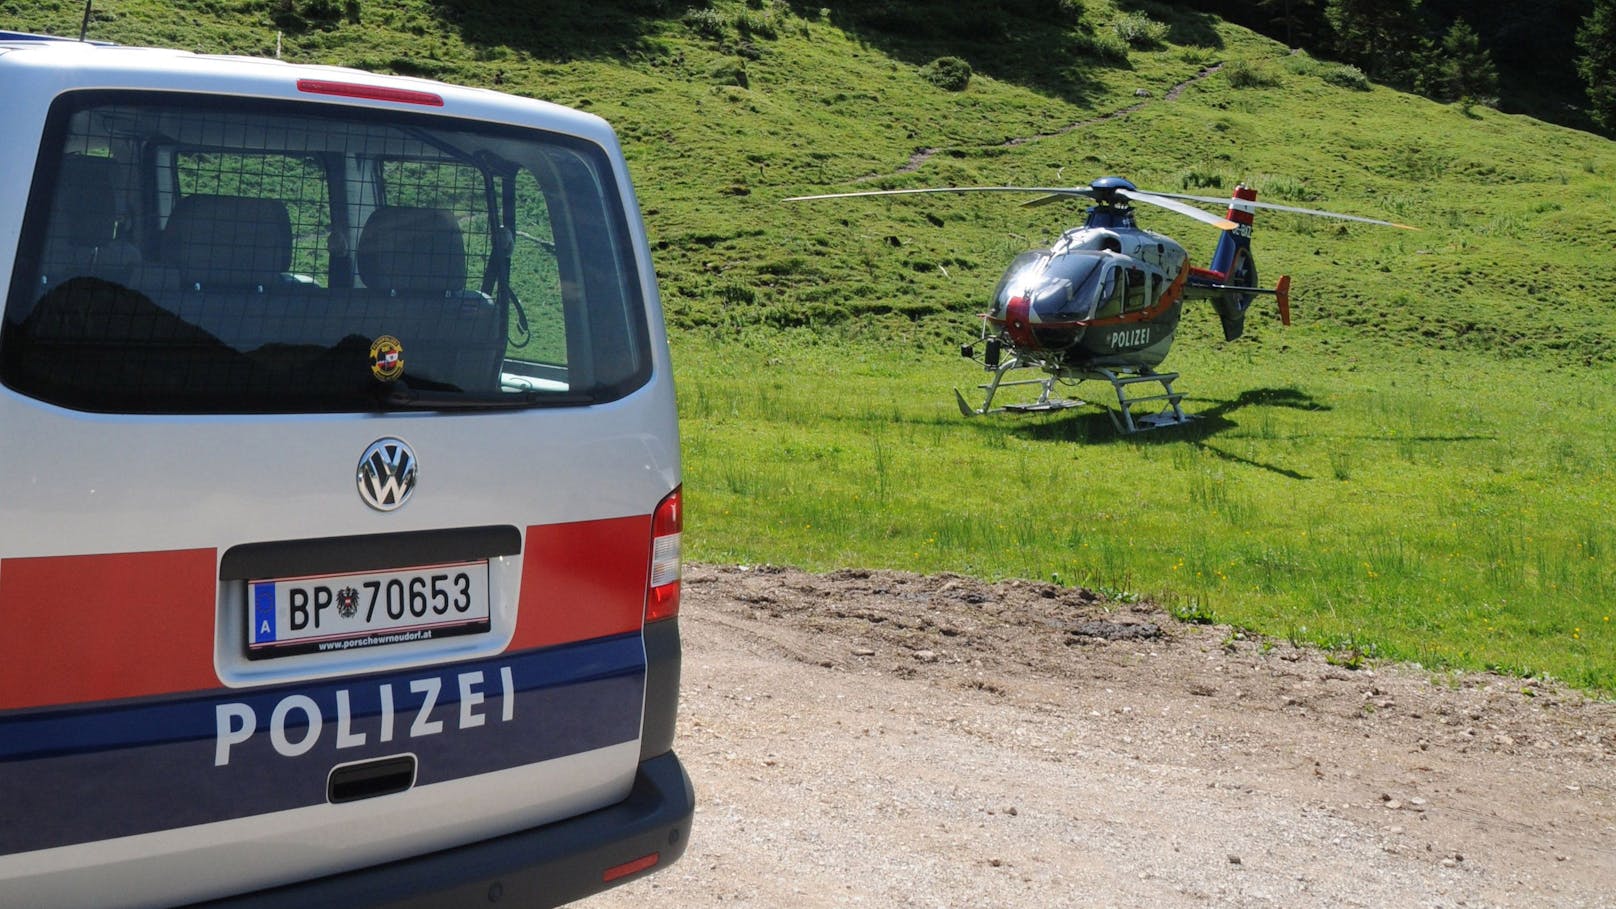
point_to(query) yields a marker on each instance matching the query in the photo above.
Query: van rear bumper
(545, 866)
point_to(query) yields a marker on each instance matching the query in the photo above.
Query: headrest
(228, 240)
(415, 249)
(84, 212)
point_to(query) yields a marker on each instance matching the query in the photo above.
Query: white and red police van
(339, 469)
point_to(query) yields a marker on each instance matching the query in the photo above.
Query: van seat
(413, 265)
(82, 237)
(214, 242)
(412, 250)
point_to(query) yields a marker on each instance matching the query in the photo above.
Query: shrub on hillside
(1139, 30)
(1101, 48)
(1245, 74)
(707, 23)
(765, 25)
(947, 73)
(1345, 76)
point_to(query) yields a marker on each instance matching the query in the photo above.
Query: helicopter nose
(1017, 322)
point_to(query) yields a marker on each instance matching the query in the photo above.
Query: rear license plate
(287, 616)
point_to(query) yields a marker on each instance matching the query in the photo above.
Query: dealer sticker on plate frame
(334, 613)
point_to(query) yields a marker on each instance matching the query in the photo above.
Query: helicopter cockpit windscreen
(1060, 287)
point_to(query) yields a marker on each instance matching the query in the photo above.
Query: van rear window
(203, 254)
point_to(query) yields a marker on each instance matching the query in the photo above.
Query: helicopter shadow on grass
(1096, 427)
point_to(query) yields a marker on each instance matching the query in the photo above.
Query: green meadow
(1447, 512)
(1417, 469)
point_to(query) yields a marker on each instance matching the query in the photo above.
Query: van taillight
(662, 599)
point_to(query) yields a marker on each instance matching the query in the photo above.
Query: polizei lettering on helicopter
(1130, 337)
(297, 723)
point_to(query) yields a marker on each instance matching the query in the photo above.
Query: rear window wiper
(399, 396)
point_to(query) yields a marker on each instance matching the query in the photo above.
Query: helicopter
(1103, 301)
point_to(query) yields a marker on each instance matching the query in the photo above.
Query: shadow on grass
(1026, 42)
(1184, 26)
(562, 30)
(1096, 427)
(1042, 45)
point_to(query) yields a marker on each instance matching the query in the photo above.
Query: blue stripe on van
(73, 776)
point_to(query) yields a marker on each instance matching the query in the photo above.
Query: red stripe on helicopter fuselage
(1018, 322)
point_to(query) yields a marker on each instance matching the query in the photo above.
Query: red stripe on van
(99, 627)
(582, 581)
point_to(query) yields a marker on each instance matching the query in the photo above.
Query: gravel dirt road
(874, 738)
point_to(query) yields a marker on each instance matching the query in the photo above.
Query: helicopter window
(1136, 295)
(1110, 302)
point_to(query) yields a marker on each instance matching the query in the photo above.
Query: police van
(341, 491)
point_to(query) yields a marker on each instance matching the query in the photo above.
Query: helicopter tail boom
(1222, 294)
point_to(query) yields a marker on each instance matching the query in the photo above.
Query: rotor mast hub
(1111, 208)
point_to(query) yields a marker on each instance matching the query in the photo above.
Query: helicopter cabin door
(1131, 334)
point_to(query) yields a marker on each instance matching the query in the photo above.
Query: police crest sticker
(386, 358)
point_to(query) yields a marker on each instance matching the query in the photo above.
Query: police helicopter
(1103, 301)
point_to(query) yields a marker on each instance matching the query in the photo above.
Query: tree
(1299, 21)
(1383, 37)
(1463, 70)
(1596, 38)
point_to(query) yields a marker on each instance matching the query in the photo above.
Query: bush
(1244, 74)
(1345, 76)
(1141, 31)
(947, 73)
(765, 25)
(706, 23)
(1101, 48)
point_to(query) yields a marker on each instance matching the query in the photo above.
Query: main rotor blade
(1179, 207)
(1213, 200)
(1060, 196)
(1060, 190)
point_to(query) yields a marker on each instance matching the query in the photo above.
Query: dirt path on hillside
(884, 739)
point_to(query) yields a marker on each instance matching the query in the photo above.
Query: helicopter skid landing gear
(1173, 415)
(1043, 403)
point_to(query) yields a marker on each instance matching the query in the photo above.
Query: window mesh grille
(247, 258)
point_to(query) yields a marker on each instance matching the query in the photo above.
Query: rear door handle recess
(368, 779)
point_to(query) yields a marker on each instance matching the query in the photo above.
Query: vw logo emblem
(387, 472)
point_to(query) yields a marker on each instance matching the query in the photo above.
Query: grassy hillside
(1418, 468)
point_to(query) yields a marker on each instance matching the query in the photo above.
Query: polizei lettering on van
(296, 723)
(218, 754)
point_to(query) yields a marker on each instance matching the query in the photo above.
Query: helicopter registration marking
(1131, 337)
